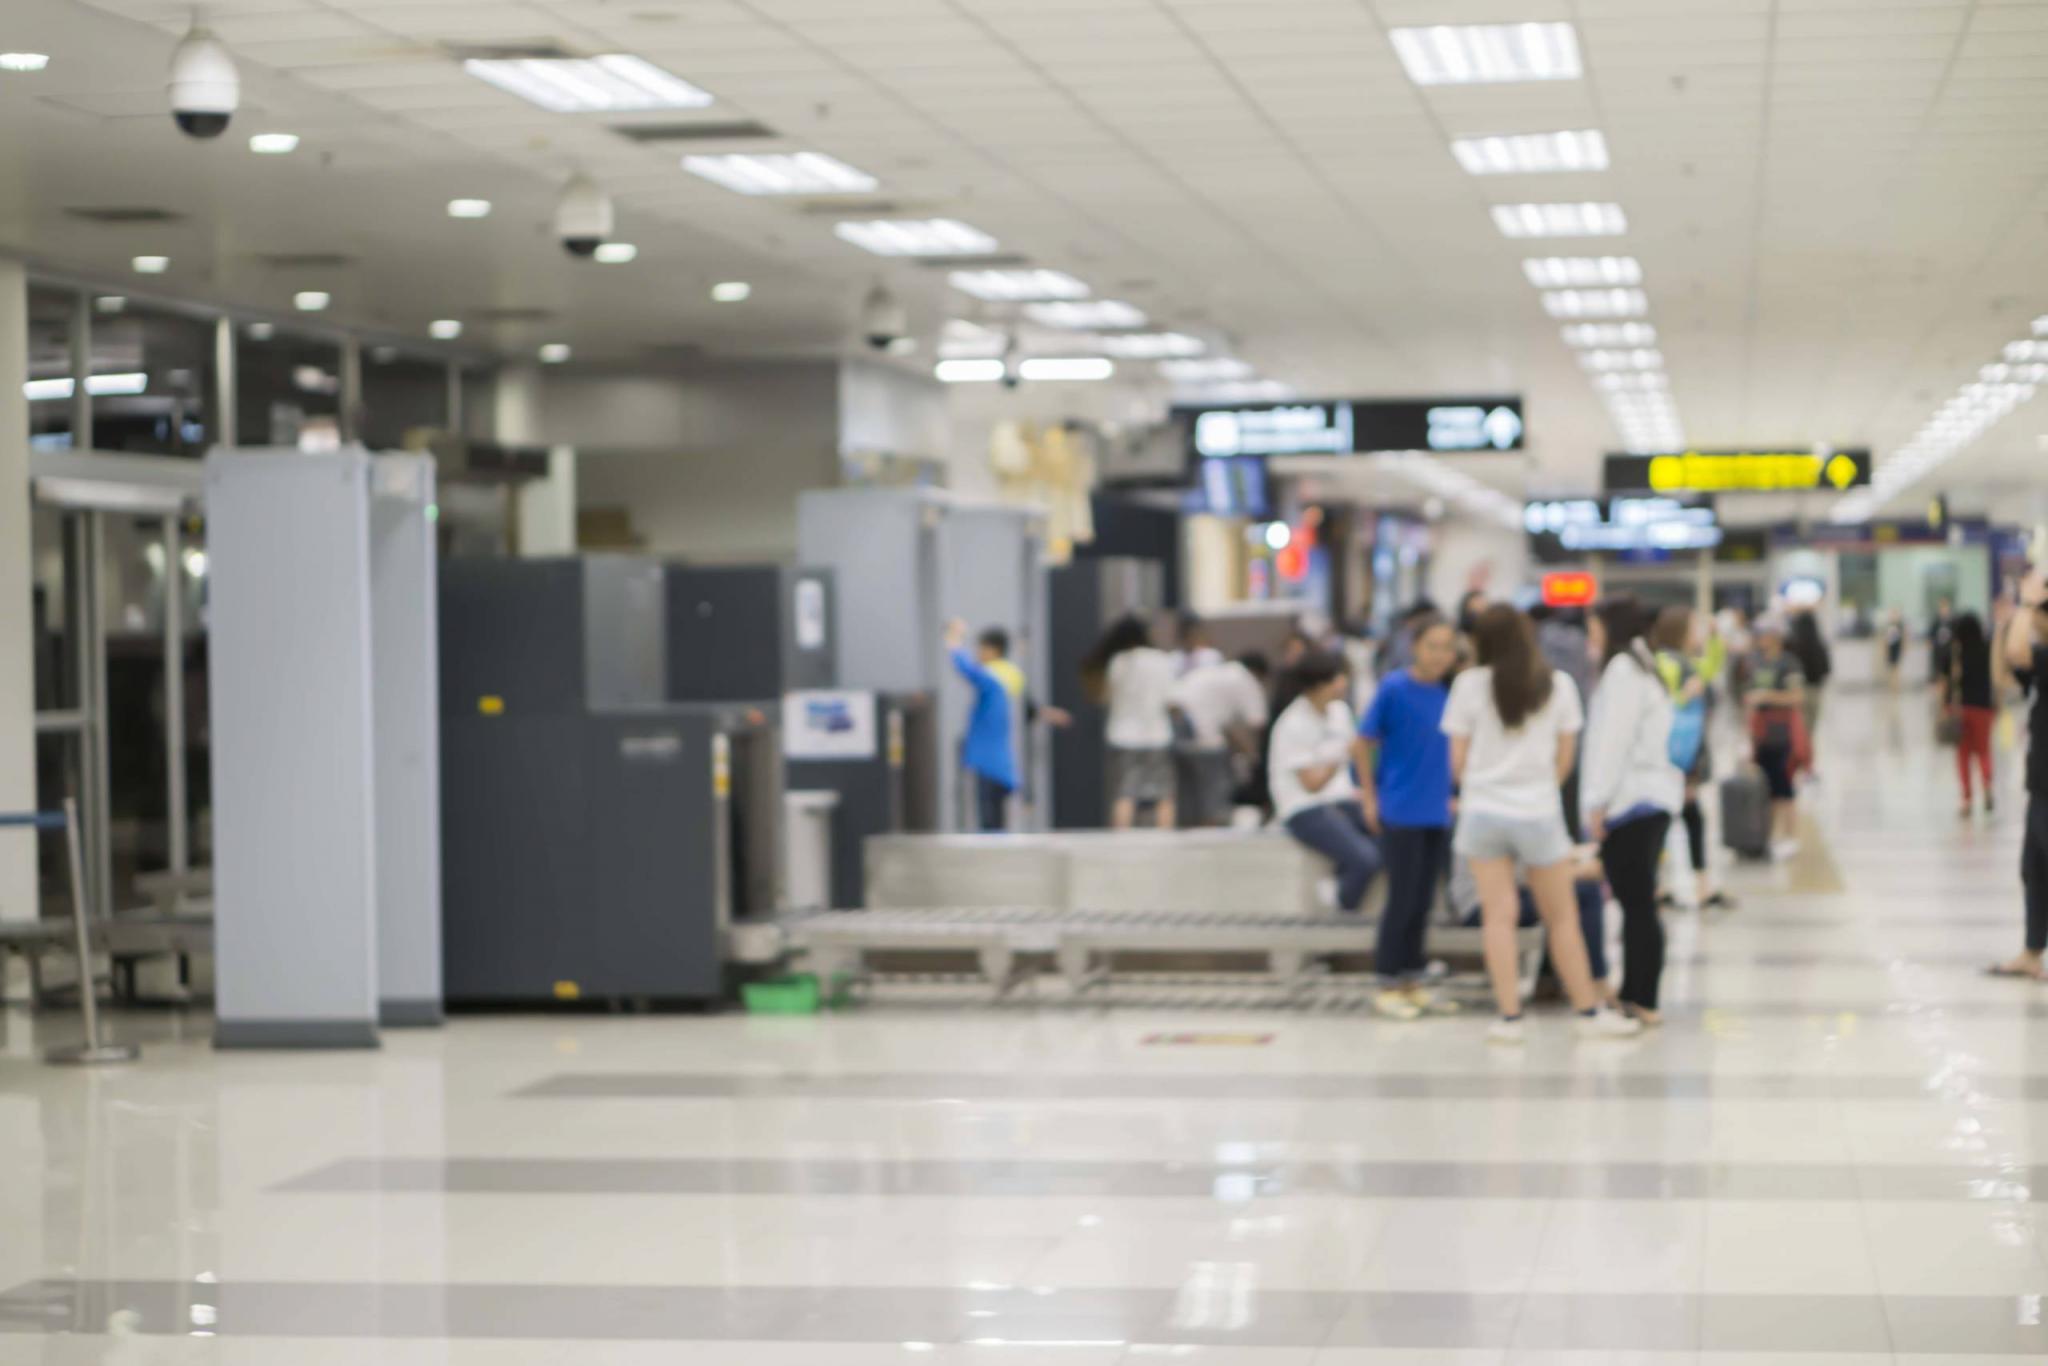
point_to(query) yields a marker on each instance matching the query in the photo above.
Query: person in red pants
(1968, 693)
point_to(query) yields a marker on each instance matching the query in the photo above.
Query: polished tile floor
(1830, 1154)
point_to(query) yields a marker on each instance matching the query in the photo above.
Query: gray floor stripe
(1345, 1086)
(1774, 1181)
(1228, 1315)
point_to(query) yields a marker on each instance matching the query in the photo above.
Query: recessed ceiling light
(960, 338)
(1470, 54)
(1596, 303)
(383, 355)
(1150, 345)
(554, 353)
(110, 303)
(1641, 358)
(614, 83)
(1559, 272)
(151, 265)
(1644, 379)
(916, 237)
(980, 371)
(1213, 371)
(1533, 153)
(1017, 286)
(469, 208)
(731, 291)
(126, 383)
(261, 331)
(273, 144)
(1560, 220)
(1066, 368)
(616, 253)
(24, 61)
(1085, 313)
(311, 300)
(445, 329)
(1610, 334)
(781, 173)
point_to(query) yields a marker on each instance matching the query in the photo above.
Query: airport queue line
(1830, 1146)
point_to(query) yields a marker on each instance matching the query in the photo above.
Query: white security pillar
(545, 510)
(17, 637)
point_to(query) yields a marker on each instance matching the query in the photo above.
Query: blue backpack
(1688, 734)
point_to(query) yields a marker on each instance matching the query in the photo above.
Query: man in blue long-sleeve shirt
(989, 750)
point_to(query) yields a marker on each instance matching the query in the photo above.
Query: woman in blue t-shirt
(1408, 805)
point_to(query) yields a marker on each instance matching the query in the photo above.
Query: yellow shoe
(1396, 1004)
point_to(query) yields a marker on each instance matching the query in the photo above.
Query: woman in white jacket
(1629, 790)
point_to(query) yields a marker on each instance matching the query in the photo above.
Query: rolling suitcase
(1746, 813)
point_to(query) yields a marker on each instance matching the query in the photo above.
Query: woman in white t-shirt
(1308, 768)
(1514, 725)
(1137, 681)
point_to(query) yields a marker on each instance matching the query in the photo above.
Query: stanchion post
(92, 1052)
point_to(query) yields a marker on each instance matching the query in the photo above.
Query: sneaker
(1784, 849)
(1429, 1003)
(1506, 1032)
(1326, 893)
(1396, 1005)
(1719, 901)
(1607, 1024)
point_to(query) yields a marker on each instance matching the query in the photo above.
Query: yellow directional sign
(1764, 471)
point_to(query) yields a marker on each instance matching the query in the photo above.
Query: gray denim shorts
(1141, 775)
(1532, 841)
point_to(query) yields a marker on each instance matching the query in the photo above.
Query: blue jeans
(1417, 859)
(1336, 830)
(991, 803)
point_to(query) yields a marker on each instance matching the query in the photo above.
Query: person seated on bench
(1309, 769)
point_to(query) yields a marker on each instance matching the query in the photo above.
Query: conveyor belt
(1089, 949)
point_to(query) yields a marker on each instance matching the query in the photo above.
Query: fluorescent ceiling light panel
(1640, 379)
(1150, 345)
(731, 291)
(273, 144)
(311, 300)
(1564, 272)
(1251, 391)
(1085, 313)
(151, 265)
(916, 237)
(262, 331)
(1066, 368)
(1596, 303)
(110, 303)
(1642, 358)
(469, 208)
(554, 353)
(123, 384)
(24, 61)
(615, 253)
(1560, 220)
(1215, 371)
(614, 83)
(1018, 286)
(1532, 153)
(445, 329)
(962, 339)
(1610, 334)
(977, 371)
(1476, 54)
(781, 173)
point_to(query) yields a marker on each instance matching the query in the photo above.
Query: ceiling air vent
(305, 260)
(122, 213)
(529, 49)
(511, 315)
(730, 130)
(999, 261)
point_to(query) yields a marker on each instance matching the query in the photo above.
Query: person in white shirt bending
(1136, 679)
(1514, 724)
(1224, 704)
(1629, 789)
(1309, 769)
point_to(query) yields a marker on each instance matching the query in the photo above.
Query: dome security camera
(583, 220)
(205, 89)
(884, 321)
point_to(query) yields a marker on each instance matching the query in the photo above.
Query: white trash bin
(807, 820)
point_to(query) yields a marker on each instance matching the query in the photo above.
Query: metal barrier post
(92, 1051)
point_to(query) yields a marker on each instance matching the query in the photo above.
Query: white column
(545, 508)
(17, 637)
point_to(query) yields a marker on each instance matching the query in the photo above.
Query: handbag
(1688, 735)
(1948, 727)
